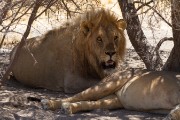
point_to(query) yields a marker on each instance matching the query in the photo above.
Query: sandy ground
(15, 106)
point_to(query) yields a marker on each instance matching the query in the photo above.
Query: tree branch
(76, 4)
(137, 37)
(2, 41)
(50, 3)
(67, 9)
(150, 7)
(143, 4)
(23, 39)
(5, 10)
(161, 42)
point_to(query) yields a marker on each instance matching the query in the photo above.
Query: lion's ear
(122, 24)
(86, 27)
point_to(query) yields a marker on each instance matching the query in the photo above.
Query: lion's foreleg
(109, 102)
(96, 92)
(102, 89)
(106, 87)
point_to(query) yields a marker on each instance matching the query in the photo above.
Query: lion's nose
(110, 53)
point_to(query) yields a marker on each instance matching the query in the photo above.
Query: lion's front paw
(51, 104)
(66, 108)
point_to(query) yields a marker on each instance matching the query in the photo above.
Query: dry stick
(67, 9)
(5, 10)
(18, 18)
(160, 16)
(4, 36)
(143, 4)
(77, 6)
(47, 7)
(150, 7)
(23, 40)
(23, 13)
(14, 5)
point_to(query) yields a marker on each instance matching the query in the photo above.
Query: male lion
(145, 91)
(74, 57)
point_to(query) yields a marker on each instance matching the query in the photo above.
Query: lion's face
(106, 46)
(107, 43)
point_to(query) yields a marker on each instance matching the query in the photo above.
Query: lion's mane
(66, 55)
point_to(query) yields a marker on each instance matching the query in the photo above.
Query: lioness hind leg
(109, 102)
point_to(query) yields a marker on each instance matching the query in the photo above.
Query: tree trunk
(173, 62)
(136, 35)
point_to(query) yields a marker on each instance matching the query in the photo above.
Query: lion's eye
(99, 39)
(115, 38)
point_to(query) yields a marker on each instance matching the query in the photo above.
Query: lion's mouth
(110, 64)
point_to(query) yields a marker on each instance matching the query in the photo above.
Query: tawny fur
(69, 58)
(150, 91)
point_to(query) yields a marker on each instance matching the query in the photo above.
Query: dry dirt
(15, 106)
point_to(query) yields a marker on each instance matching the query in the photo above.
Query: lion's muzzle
(110, 64)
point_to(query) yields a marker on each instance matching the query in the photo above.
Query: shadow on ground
(14, 106)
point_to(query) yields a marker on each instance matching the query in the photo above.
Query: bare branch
(15, 19)
(47, 7)
(23, 40)
(5, 10)
(67, 9)
(156, 50)
(10, 24)
(144, 4)
(76, 5)
(162, 41)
